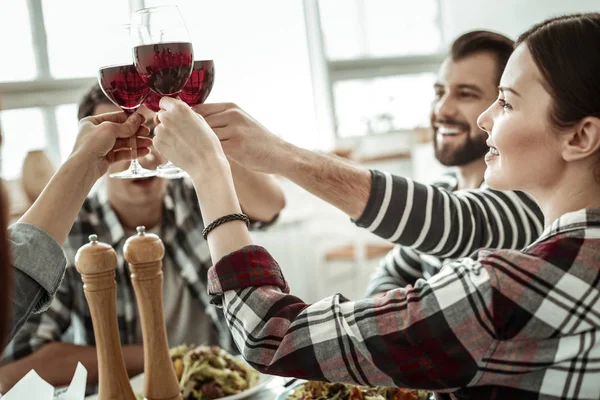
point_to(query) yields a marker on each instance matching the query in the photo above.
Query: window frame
(45, 91)
(325, 73)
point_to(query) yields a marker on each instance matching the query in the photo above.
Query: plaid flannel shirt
(181, 232)
(501, 324)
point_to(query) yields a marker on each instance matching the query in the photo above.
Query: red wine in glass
(164, 67)
(153, 101)
(200, 84)
(123, 85)
(195, 91)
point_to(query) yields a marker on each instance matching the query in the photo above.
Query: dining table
(271, 390)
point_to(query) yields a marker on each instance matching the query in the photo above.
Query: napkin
(32, 386)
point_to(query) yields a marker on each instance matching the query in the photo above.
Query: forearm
(57, 206)
(217, 198)
(335, 181)
(56, 363)
(260, 196)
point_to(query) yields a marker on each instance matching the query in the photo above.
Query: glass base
(135, 171)
(170, 171)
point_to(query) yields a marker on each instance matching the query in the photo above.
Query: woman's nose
(485, 120)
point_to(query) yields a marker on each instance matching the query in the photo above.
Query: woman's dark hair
(5, 270)
(566, 50)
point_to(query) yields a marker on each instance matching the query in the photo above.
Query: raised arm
(409, 337)
(100, 142)
(398, 209)
(449, 224)
(36, 238)
(260, 195)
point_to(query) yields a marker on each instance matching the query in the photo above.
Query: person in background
(501, 324)
(53, 342)
(467, 84)
(32, 263)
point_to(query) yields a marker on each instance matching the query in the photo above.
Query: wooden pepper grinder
(96, 262)
(144, 253)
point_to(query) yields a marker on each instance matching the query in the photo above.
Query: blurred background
(351, 77)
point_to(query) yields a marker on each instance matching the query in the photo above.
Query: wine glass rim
(148, 9)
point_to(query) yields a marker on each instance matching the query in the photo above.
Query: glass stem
(133, 148)
(135, 166)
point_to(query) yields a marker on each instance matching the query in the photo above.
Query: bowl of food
(210, 372)
(313, 390)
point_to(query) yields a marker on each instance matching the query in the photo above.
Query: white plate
(137, 384)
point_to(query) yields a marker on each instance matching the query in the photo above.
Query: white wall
(509, 17)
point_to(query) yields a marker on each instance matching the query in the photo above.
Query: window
(82, 25)
(382, 105)
(379, 28)
(18, 59)
(66, 119)
(260, 53)
(261, 60)
(379, 57)
(23, 130)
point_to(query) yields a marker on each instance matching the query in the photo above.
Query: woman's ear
(584, 141)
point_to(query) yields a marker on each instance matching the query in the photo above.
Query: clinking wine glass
(195, 91)
(163, 55)
(122, 84)
(200, 84)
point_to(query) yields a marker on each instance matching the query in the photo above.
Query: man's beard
(475, 147)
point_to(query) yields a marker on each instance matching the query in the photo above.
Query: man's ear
(583, 141)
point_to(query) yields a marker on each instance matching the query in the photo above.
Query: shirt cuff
(375, 200)
(37, 254)
(247, 267)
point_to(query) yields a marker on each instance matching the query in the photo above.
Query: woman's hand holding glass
(106, 138)
(185, 138)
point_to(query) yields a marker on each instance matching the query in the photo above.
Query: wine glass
(163, 55)
(195, 91)
(152, 102)
(200, 84)
(122, 84)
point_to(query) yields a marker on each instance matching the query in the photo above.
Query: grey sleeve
(39, 264)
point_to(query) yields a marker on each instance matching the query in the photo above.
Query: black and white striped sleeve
(400, 267)
(449, 225)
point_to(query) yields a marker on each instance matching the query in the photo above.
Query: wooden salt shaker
(144, 253)
(96, 262)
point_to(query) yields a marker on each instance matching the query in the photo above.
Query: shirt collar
(111, 221)
(587, 219)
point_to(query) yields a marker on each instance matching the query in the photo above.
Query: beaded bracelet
(224, 219)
